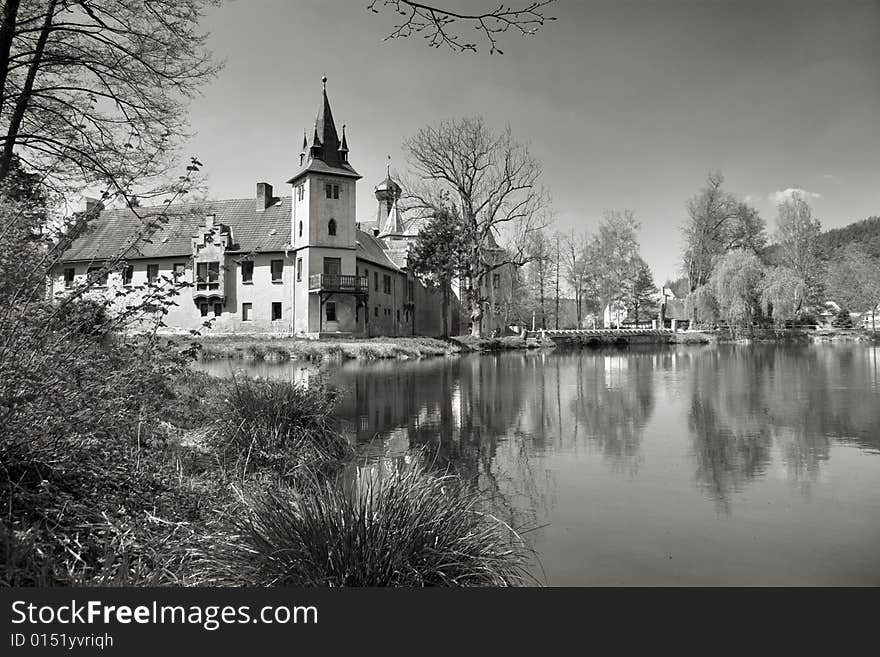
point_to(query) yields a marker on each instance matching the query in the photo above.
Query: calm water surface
(692, 466)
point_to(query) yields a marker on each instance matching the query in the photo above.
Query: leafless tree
(495, 183)
(94, 92)
(438, 25)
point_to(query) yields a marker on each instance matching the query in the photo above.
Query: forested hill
(865, 233)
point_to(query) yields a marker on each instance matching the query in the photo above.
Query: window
(97, 276)
(179, 269)
(375, 281)
(300, 192)
(299, 269)
(203, 308)
(68, 277)
(276, 310)
(398, 315)
(328, 190)
(246, 311)
(386, 284)
(247, 272)
(207, 275)
(277, 270)
(496, 280)
(152, 273)
(218, 309)
(376, 311)
(300, 229)
(127, 274)
(330, 307)
(331, 227)
(335, 191)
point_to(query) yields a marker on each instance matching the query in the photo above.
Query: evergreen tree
(437, 255)
(640, 299)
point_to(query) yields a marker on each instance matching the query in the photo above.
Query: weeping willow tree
(736, 284)
(782, 294)
(701, 306)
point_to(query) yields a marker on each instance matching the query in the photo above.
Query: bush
(276, 425)
(408, 529)
(843, 319)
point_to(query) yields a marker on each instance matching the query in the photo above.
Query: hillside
(865, 233)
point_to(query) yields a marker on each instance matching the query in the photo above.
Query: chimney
(264, 196)
(93, 207)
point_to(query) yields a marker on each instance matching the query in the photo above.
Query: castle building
(296, 265)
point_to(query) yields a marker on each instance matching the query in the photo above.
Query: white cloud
(782, 195)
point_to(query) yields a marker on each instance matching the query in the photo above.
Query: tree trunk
(24, 98)
(7, 33)
(445, 306)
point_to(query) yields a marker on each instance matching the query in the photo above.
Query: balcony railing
(338, 283)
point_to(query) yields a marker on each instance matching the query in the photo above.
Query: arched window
(331, 227)
(300, 229)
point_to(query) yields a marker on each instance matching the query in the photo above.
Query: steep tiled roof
(109, 234)
(373, 250)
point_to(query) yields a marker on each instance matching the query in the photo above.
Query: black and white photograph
(310, 294)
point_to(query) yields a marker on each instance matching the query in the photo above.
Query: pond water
(714, 465)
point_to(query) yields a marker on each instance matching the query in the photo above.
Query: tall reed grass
(413, 528)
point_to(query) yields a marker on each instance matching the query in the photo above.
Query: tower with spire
(323, 227)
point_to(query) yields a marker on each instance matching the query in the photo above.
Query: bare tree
(494, 181)
(437, 24)
(580, 274)
(797, 233)
(94, 92)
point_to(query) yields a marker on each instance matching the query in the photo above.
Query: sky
(627, 104)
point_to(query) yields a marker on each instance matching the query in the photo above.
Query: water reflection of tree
(747, 402)
(614, 399)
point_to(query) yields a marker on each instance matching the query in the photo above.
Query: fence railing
(338, 283)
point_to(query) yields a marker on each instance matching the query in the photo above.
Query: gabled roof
(109, 234)
(373, 250)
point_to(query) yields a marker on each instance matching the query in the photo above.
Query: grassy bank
(131, 469)
(288, 348)
(506, 343)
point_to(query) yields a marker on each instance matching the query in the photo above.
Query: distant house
(614, 314)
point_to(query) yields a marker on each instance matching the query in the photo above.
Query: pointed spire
(343, 147)
(393, 224)
(388, 168)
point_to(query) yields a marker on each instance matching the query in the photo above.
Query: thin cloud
(783, 195)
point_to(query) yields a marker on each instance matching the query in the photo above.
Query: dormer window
(331, 227)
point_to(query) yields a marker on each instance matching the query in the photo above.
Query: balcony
(338, 283)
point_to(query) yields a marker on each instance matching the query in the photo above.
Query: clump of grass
(276, 425)
(413, 528)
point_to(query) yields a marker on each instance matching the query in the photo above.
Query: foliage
(439, 254)
(581, 273)
(409, 528)
(702, 306)
(640, 294)
(736, 287)
(797, 234)
(277, 426)
(865, 233)
(717, 224)
(782, 294)
(617, 256)
(853, 279)
(843, 319)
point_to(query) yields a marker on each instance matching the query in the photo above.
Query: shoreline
(283, 348)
